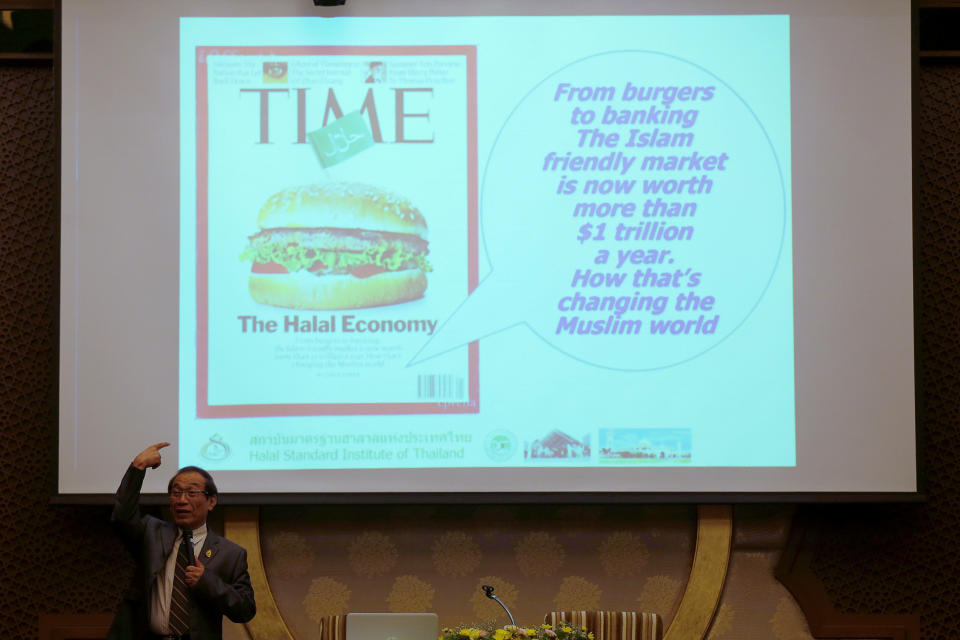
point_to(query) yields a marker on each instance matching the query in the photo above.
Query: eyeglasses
(176, 494)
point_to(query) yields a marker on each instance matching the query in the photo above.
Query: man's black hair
(209, 485)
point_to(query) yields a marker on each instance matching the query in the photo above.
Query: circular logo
(500, 445)
(215, 448)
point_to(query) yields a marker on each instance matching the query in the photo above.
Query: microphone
(188, 540)
(488, 591)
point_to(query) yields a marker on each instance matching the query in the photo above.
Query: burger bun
(305, 290)
(341, 206)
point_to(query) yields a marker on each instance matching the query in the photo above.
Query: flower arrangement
(510, 632)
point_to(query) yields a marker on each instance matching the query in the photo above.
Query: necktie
(179, 621)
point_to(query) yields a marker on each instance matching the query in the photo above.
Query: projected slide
(483, 242)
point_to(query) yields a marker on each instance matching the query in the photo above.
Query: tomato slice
(268, 267)
(366, 270)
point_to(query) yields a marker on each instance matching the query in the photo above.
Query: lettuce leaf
(295, 257)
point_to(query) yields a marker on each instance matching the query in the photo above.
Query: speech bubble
(697, 207)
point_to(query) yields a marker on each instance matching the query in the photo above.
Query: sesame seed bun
(341, 206)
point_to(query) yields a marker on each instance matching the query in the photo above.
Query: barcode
(444, 386)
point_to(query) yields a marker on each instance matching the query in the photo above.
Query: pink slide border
(206, 410)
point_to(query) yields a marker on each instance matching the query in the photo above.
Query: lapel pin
(208, 554)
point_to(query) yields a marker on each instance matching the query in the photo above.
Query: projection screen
(569, 248)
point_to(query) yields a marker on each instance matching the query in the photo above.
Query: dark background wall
(64, 559)
(51, 558)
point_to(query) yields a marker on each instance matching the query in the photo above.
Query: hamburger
(337, 246)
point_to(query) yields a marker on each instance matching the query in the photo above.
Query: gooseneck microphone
(488, 591)
(188, 540)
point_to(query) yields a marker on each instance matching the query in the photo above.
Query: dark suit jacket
(224, 589)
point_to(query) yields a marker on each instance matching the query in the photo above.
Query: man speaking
(187, 577)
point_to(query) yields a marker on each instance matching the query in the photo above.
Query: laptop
(392, 626)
